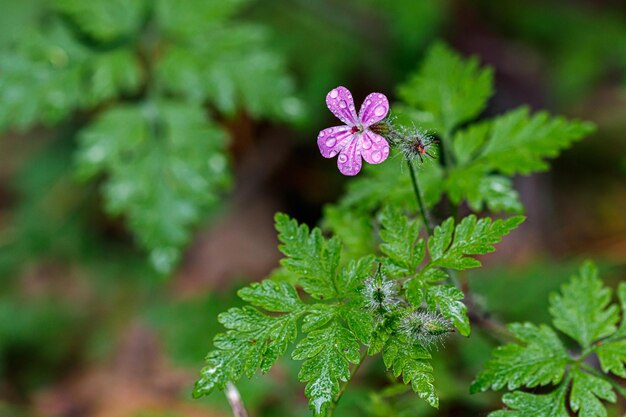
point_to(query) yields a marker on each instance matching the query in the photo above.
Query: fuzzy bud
(426, 328)
(381, 294)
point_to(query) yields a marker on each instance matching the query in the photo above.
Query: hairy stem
(420, 199)
(234, 399)
(344, 385)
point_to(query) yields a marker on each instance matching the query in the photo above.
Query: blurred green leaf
(165, 167)
(453, 90)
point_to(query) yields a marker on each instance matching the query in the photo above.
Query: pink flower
(354, 139)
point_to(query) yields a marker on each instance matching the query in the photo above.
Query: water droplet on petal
(321, 135)
(376, 156)
(367, 143)
(343, 158)
(331, 142)
(368, 102)
(334, 94)
(380, 110)
(332, 153)
(342, 104)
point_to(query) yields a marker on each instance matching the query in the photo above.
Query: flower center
(356, 129)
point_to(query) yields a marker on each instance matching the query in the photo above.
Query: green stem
(420, 199)
(344, 385)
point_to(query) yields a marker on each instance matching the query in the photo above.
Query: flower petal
(340, 103)
(374, 109)
(374, 148)
(334, 139)
(349, 161)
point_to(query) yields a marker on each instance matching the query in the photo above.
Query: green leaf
(621, 294)
(466, 143)
(253, 341)
(587, 393)
(165, 166)
(272, 296)
(539, 360)
(582, 310)
(481, 190)
(453, 90)
(327, 354)
(448, 299)
(389, 183)
(412, 362)
(449, 246)
(309, 255)
(519, 143)
(235, 69)
(353, 274)
(353, 227)
(523, 404)
(612, 356)
(400, 242)
(105, 20)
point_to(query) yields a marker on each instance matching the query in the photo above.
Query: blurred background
(109, 290)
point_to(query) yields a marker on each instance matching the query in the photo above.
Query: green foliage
(345, 313)
(448, 248)
(583, 311)
(480, 158)
(166, 165)
(448, 88)
(137, 77)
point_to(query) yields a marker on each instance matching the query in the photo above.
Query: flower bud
(426, 328)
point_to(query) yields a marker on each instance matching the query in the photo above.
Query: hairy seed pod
(381, 294)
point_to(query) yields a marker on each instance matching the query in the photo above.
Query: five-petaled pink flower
(355, 139)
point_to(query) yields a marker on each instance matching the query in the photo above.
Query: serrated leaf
(467, 142)
(400, 241)
(587, 393)
(474, 184)
(327, 354)
(448, 299)
(272, 296)
(165, 167)
(519, 143)
(253, 341)
(539, 360)
(235, 69)
(621, 295)
(411, 361)
(353, 227)
(449, 246)
(105, 20)
(389, 183)
(582, 309)
(612, 356)
(353, 274)
(523, 404)
(309, 255)
(453, 90)
(360, 322)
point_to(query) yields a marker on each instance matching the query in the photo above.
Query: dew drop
(321, 135)
(380, 110)
(342, 104)
(376, 156)
(367, 143)
(343, 158)
(331, 142)
(332, 153)
(368, 102)
(334, 93)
